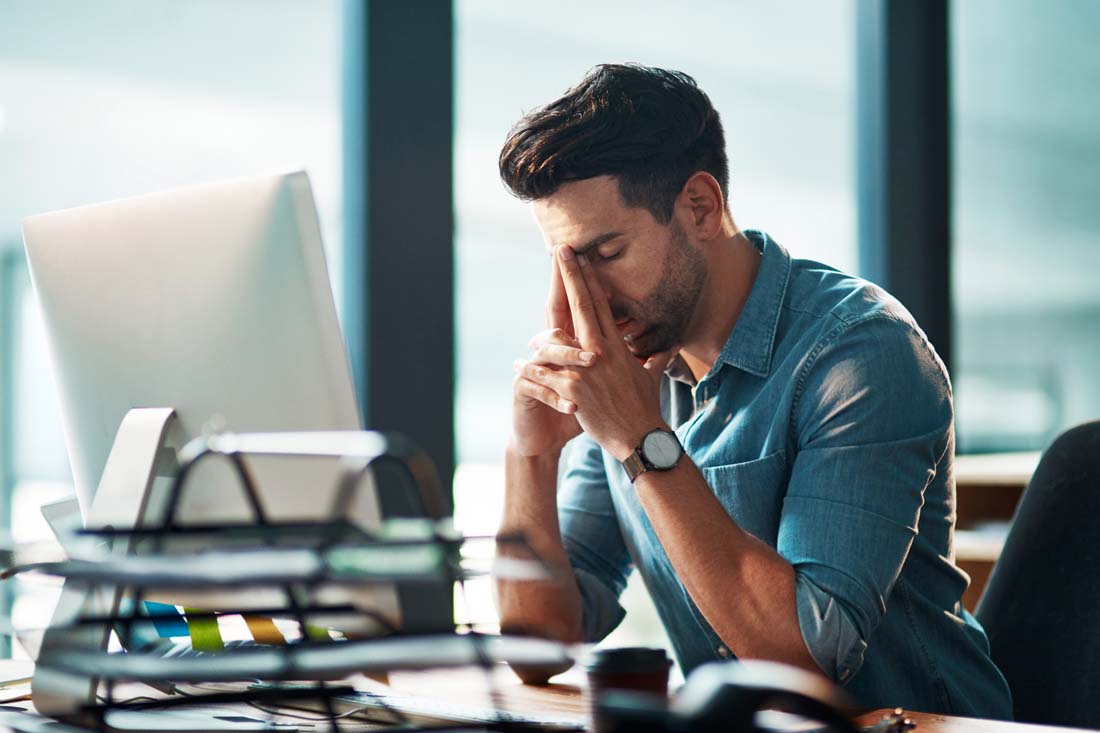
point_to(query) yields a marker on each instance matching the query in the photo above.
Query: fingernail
(582, 260)
(566, 252)
(587, 357)
(564, 405)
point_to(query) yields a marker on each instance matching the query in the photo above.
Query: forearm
(744, 589)
(551, 609)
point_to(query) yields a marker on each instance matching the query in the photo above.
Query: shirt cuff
(828, 630)
(600, 609)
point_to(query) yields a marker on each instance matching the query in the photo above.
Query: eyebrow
(596, 242)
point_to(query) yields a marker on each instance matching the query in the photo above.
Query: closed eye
(610, 256)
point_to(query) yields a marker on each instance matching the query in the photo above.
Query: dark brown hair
(650, 128)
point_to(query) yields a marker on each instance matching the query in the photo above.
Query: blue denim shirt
(826, 430)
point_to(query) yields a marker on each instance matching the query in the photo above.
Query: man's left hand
(617, 397)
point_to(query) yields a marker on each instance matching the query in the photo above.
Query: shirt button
(723, 652)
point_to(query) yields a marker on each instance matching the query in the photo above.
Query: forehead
(582, 210)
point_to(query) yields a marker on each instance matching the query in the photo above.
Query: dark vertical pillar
(904, 157)
(398, 220)
(398, 244)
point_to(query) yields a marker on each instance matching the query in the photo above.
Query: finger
(657, 363)
(551, 336)
(561, 381)
(557, 303)
(524, 387)
(558, 355)
(599, 301)
(586, 325)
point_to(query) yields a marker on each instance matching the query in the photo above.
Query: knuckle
(563, 340)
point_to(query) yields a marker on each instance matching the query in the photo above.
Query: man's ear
(701, 206)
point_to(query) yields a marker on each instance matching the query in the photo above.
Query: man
(768, 441)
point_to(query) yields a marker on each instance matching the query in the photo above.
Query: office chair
(1041, 608)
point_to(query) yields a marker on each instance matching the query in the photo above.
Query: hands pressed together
(582, 376)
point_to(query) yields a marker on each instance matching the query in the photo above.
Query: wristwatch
(659, 450)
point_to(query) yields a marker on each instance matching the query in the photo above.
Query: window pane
(37, 442)
(112, 99)
(1027, 179)
(779, 73)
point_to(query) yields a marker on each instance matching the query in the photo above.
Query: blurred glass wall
(1026, 250)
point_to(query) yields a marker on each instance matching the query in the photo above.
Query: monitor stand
(141, 453)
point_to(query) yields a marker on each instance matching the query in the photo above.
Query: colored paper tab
(317, 633)
(264, 630)
(205, 634)
(167, 619)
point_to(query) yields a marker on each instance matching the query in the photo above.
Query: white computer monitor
(214, 301)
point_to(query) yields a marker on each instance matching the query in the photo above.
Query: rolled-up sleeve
(592, 539)
(873, 418)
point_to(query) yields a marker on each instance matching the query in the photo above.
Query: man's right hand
(542, 421)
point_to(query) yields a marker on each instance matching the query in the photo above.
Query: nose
(611, 293)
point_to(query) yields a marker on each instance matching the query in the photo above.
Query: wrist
(625, 447)
(658, 450)
(514, 452)
(530, 494)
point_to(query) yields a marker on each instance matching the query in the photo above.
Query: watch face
(661, 449)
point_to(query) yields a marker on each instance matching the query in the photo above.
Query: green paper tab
(205, 634)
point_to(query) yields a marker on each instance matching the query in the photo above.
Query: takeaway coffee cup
(631, 669)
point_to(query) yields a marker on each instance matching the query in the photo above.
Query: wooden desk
(988, 489)
(468, 687)
(929, 723)
(568, 698)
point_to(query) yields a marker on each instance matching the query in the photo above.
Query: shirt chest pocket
(752, 493)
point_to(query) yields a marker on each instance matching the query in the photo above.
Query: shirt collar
(749, 346)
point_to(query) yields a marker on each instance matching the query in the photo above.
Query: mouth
(632, 332)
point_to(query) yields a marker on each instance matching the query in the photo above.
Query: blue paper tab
(167, 619)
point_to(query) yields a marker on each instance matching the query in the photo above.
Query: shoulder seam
(842, 327)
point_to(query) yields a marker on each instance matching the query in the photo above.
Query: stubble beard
(668, 310)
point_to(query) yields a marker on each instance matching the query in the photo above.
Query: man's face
(652, 273)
